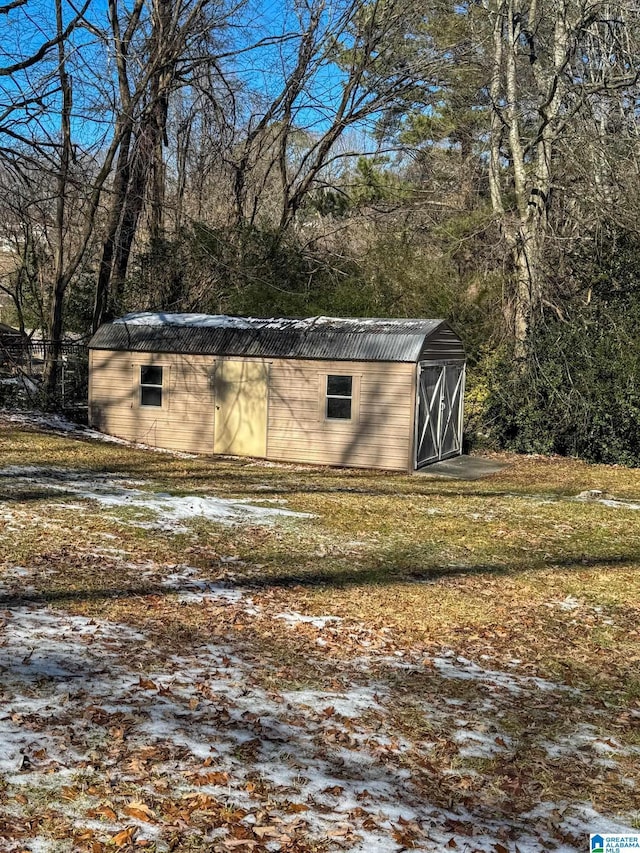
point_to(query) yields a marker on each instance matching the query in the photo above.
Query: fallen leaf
(126, 836)
(338, 832)
(215, 778)
(266, 831)
(139, 810)
(103, 811)
(69, 793)
(86, 835)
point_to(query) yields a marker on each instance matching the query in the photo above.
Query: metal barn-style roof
(324, 338)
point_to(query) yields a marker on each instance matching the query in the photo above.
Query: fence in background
(21, 369)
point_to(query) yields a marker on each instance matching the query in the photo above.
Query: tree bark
(118, 191)
(56, 307)
(526, 226)
(141, 179)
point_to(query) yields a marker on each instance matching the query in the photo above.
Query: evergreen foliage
(577, 392)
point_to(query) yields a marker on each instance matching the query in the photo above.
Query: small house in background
(328, 391)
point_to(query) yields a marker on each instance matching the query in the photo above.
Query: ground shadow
(337, 578)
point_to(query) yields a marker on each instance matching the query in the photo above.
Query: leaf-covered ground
(203, 654)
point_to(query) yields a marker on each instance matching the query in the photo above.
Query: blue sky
(261, 70)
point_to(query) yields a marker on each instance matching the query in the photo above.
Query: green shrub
(577, 391)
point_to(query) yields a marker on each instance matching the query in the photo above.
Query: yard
(203, 654)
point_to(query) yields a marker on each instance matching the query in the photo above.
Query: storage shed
(330, 391)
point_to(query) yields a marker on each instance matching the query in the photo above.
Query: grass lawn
(202, 654)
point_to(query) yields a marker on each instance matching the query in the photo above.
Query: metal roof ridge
(229, 321)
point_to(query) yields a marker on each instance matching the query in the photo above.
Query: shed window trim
(151, 385)
(339, 397)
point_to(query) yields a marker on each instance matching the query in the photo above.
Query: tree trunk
(144, 175)
(132, 207)
(526, 227)
(119, 190)
(56, 308)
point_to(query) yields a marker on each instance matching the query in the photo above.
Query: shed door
(439, 412)
(241, 400)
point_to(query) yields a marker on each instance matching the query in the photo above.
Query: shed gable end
(442, 345)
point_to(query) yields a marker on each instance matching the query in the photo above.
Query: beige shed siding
(380, 433)
(185, 420)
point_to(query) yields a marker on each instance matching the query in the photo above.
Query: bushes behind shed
(578, 391)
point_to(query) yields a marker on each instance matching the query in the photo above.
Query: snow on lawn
(107, 733)
(458, 667)
(114, 491)
(80, 698)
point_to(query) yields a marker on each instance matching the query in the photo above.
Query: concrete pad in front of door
(463, 468)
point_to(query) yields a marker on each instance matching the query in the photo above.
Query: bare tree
(343, 72)
(553, 63)
(164, 40)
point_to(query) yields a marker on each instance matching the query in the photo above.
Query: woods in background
(477, 161)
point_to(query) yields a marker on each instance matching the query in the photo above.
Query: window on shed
(339, 397)
(150, 385)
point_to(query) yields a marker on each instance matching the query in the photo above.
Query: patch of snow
(113, 491)
(39, 844)
(352, 703)
(600, 497)
(569, 603)
(478, 744)
(320, 622)
(579, 819)
(223, 321)
(618, 504)
(586, 738)
(198, 321)
(58, 423)
(458, 667)
(212, 592)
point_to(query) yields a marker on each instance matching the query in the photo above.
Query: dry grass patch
(475, 680)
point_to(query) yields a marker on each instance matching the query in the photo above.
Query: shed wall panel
(378, 435)
(186, 419)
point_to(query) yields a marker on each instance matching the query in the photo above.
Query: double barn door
(439, 412)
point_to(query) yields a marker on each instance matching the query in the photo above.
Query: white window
(150, 385)
(339, 397)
